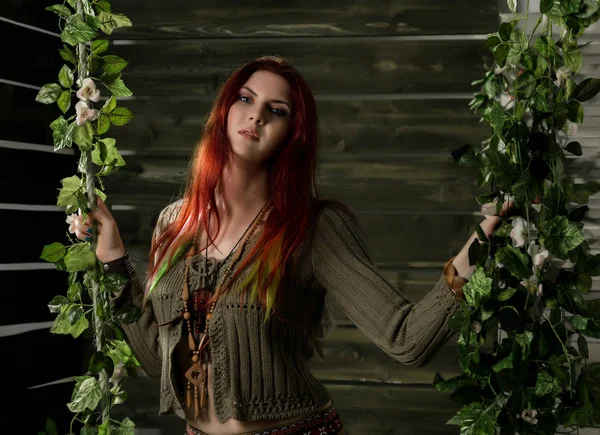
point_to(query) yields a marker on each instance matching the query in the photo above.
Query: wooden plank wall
(392, 83)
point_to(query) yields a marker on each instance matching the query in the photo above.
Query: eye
(242, 98)
(279, 112)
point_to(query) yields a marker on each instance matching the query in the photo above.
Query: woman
(239, 267)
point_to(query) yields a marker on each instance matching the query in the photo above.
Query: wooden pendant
(203, 395)
(196, 374)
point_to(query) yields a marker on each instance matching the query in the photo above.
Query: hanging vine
(524, 305)
(86, 305)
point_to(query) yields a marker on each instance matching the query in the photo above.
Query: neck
(242, 187)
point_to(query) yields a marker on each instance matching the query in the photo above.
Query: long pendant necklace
(194, 308)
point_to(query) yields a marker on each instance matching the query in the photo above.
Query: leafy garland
(87, 305)
(524, 304)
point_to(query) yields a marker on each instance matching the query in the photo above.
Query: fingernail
(89, 230)
(87, 239)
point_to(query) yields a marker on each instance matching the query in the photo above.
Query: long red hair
(292, 188)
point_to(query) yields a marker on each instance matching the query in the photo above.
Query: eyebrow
(274, 101)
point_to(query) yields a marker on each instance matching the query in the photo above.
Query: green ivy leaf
(74, 292)
(476, 419)
(506, 294)
(109, 105)
(525, 85)
(546, 5)
(53, 252)
(580, 193)
(547, 384)
(524, 340)
(61, 10)
(560, 236)
(80, 257)
(478, 288)
(68, 55)
(50, 427)
(93, 22)
(103, 124)
(587, 89)
(518, 44)
(66, 77)
(121, 116)
(83, 135)
(574, 148)
(573, 60)
(62, 325)
(114, 282)
(112, 21)
(87, 396)
(114, 64)
(99, 46)
(76, 31)
(57, 302)
(127, 426)
(583, 347)
(505, 363)
(67, 194)
(74, 314)
(515, 261)
(575, 110)
(49, 93)
(64, 101)
(117, 87)
(100, 361)
(105, 153)
(62, 133)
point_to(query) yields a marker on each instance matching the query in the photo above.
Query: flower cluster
(87, 91)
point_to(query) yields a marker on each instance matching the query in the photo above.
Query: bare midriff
(208, 421)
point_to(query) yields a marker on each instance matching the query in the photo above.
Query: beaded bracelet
(454, 281)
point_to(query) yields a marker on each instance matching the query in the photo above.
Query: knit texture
(260, 369)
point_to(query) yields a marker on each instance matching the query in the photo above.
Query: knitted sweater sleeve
(410, 333)
(142, 335)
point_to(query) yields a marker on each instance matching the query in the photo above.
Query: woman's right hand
(109, 244)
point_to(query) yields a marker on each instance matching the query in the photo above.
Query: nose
(257, 116)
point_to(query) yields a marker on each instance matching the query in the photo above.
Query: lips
(250, 134)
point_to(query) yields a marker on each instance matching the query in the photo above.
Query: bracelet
(122, 265)
(454, 281)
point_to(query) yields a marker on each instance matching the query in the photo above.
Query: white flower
(88, 90)
(532, 284)
(562, 74)
(476, 326)
(529, 416)
(489, 208)
(84, 113)
(571, 128)
(71, 222)
(540, 258)
(119, 373)
(519, 231)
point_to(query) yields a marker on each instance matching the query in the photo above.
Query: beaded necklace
(194, 309)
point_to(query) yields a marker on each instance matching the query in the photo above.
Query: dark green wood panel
(174, 125)
(232, 18)
(400, 184)
(259, 18)
(190, 67)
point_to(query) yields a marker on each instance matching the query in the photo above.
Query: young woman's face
(259, 120)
